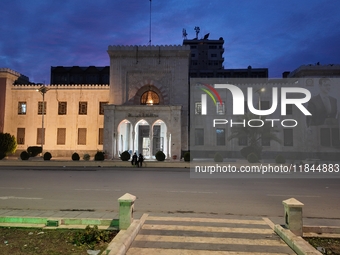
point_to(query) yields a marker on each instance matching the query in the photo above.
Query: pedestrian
(134, 159)
(140, 160)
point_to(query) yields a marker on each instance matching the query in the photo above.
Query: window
(22, 108)
(243, 141)
(61, 136)
(335, 137)
(21, 135)
(199, 136)
(62, 108)
(41, 108)
(101, 107)
(329, 137)
(220, 109)
(40, 136)
(81, 136)
(82, 108)
(288, 137)
(220, 136)
(149, 98)
(198, 108)
(289, 109)
(193, 55)
(213, 55)
(101, 136)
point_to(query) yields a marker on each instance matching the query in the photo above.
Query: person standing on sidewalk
(134, 160)
(140, 160)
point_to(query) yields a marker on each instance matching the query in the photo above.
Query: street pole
(259, 92)
(42, 123)
(43, 91)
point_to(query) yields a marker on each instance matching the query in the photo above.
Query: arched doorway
(125, 138)
(160, 141)
(142, 138)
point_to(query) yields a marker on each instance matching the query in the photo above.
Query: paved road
(162, 191)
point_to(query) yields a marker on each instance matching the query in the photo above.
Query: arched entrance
(142, 138)
(124, 138)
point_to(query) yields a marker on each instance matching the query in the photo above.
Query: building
(148, 107)
(73, 115)
(80, 75)
(206, 61)
(153, 101)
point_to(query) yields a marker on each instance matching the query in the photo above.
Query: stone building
(148, 107)
(151, 104)
(72, 121)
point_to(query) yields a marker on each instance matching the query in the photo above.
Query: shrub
(47, 156)
(2, 155)
(24, 155)
(86, 157)
(160, 156)
(125, 156)
(8, 143)
(280, 159)
(75, 156)
(250, 149)
(187, 156)
(34, 150)
(252, 158)
(218, 157)
(100, 156)
(91, 236)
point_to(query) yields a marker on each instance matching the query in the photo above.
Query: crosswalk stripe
(210, 220)
(207, 229)
(209, 240)
(156, 251)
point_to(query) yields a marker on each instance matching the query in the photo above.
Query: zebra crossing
(215, 236)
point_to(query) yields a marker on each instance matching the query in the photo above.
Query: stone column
(151, 141)
(126, 207)
(167, 145)
(293, 215)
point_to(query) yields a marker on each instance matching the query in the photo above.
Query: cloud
(279, 35)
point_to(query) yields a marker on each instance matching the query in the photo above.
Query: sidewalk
(63, 161)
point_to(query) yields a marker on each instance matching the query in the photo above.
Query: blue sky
(279, 35)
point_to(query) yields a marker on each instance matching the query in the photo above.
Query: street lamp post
(43, 89)
(259, 92)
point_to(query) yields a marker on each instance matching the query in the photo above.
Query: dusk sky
(273, 34)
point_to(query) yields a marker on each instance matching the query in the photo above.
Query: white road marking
(13, 188)
(194, 192)
(28, 198)
(278, 195)
(97, 190)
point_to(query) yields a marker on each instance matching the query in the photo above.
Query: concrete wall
(31, 121)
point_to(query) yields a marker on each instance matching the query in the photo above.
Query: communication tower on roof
(197, 29)
(184, 34)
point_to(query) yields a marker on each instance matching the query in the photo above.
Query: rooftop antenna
(184, 33)
(197, 29)
(150, 26)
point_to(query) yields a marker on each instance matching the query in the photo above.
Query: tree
(254, 135)
(8, 143)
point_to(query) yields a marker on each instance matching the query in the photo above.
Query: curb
(122, 241)
(56, 222)
(297, 243)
